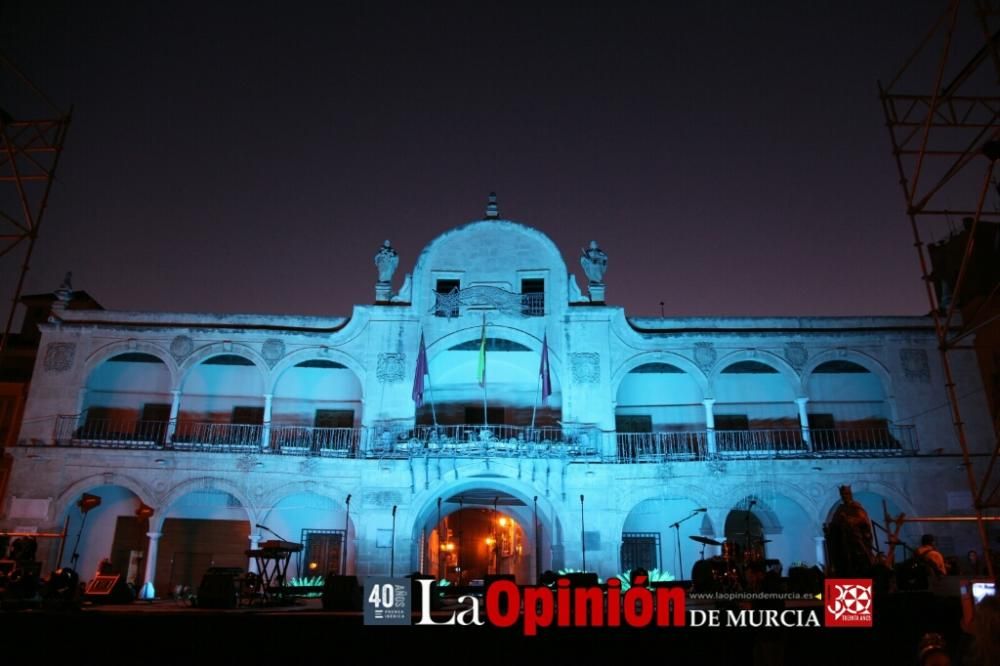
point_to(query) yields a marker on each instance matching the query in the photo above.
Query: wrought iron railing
(643, 446)
(489, 440)
(579, 442)
(231, 437)
(848, 441)
(305, 440)
(755, 443)
(533, 305)
(771, 443)
(488, 297)
(110, 433)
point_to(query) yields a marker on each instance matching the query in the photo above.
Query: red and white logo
(848, 602)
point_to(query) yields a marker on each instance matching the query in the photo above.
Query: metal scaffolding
(946, 143)
(29, 155)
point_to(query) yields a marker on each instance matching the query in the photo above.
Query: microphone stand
(677, 532)
(268, 529)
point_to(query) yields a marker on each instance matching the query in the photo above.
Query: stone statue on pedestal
(386, 260)
(595, 263)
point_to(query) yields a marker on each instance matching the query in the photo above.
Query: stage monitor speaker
(108, 589)
(341, 593)
(219, 587)
(581, 579)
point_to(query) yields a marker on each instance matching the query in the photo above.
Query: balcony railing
(746, 444)
(651, 446)
(581, 442)
(304, 440)
(487, 440)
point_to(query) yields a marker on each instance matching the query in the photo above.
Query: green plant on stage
(655, 576)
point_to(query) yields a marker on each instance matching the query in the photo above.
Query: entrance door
(323, 552)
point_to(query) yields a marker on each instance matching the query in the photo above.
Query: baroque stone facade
(282, 420)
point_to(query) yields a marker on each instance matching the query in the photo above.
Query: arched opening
(222, 405)
(315, 407)
(110, 529)
(648, 541)
(127, 398)
(744, 531)
(318, 523)
(201, 529)
(755, 410)
(507, 401)
(477, 532)
(659, 413)
(847, 408)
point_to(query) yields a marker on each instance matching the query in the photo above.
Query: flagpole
(430, 396)
(534, 407)
(486, 423)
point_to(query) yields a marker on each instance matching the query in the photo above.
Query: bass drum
(714, 575)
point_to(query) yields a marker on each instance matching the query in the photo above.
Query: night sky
(730, 157)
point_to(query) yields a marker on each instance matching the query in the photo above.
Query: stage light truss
(29, 154)
(946, 144)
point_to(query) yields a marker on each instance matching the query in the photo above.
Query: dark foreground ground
(164, 632)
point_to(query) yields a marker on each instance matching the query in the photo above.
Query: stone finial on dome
(492, 210)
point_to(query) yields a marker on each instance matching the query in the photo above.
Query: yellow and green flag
(481, 370)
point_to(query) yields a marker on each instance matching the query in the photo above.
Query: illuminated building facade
(238, 428)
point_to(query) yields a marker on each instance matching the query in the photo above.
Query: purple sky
(731, 158)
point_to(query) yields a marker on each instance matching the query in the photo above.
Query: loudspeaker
(341, 593)
(219, 588)
(108, 589)
(581, 579)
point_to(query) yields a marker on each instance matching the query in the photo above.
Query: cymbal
(705, 540)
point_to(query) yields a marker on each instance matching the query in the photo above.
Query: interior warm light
(503, 521)
(313, 566)
(489, 541)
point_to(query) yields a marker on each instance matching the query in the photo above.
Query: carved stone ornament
(382, 498)
(391, 367)
(272, 350)
(246, 462)
(915, 365)
(796, 354)
(586, 367)
(59, 356)
(181, 347)
(704, 355)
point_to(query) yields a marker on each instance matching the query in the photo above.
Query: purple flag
(543, 370)
(418, 378)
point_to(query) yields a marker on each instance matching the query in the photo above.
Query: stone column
(804, 420)
(709, 403)
(820, 551)
(265, 439)
(175, 408)
(148, 592)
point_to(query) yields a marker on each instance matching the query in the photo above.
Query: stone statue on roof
(595, 262)
(386, 260)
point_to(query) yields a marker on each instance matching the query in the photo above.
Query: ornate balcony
(754, 444)
(479, 441)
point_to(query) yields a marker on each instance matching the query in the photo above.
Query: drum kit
(726, 572)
